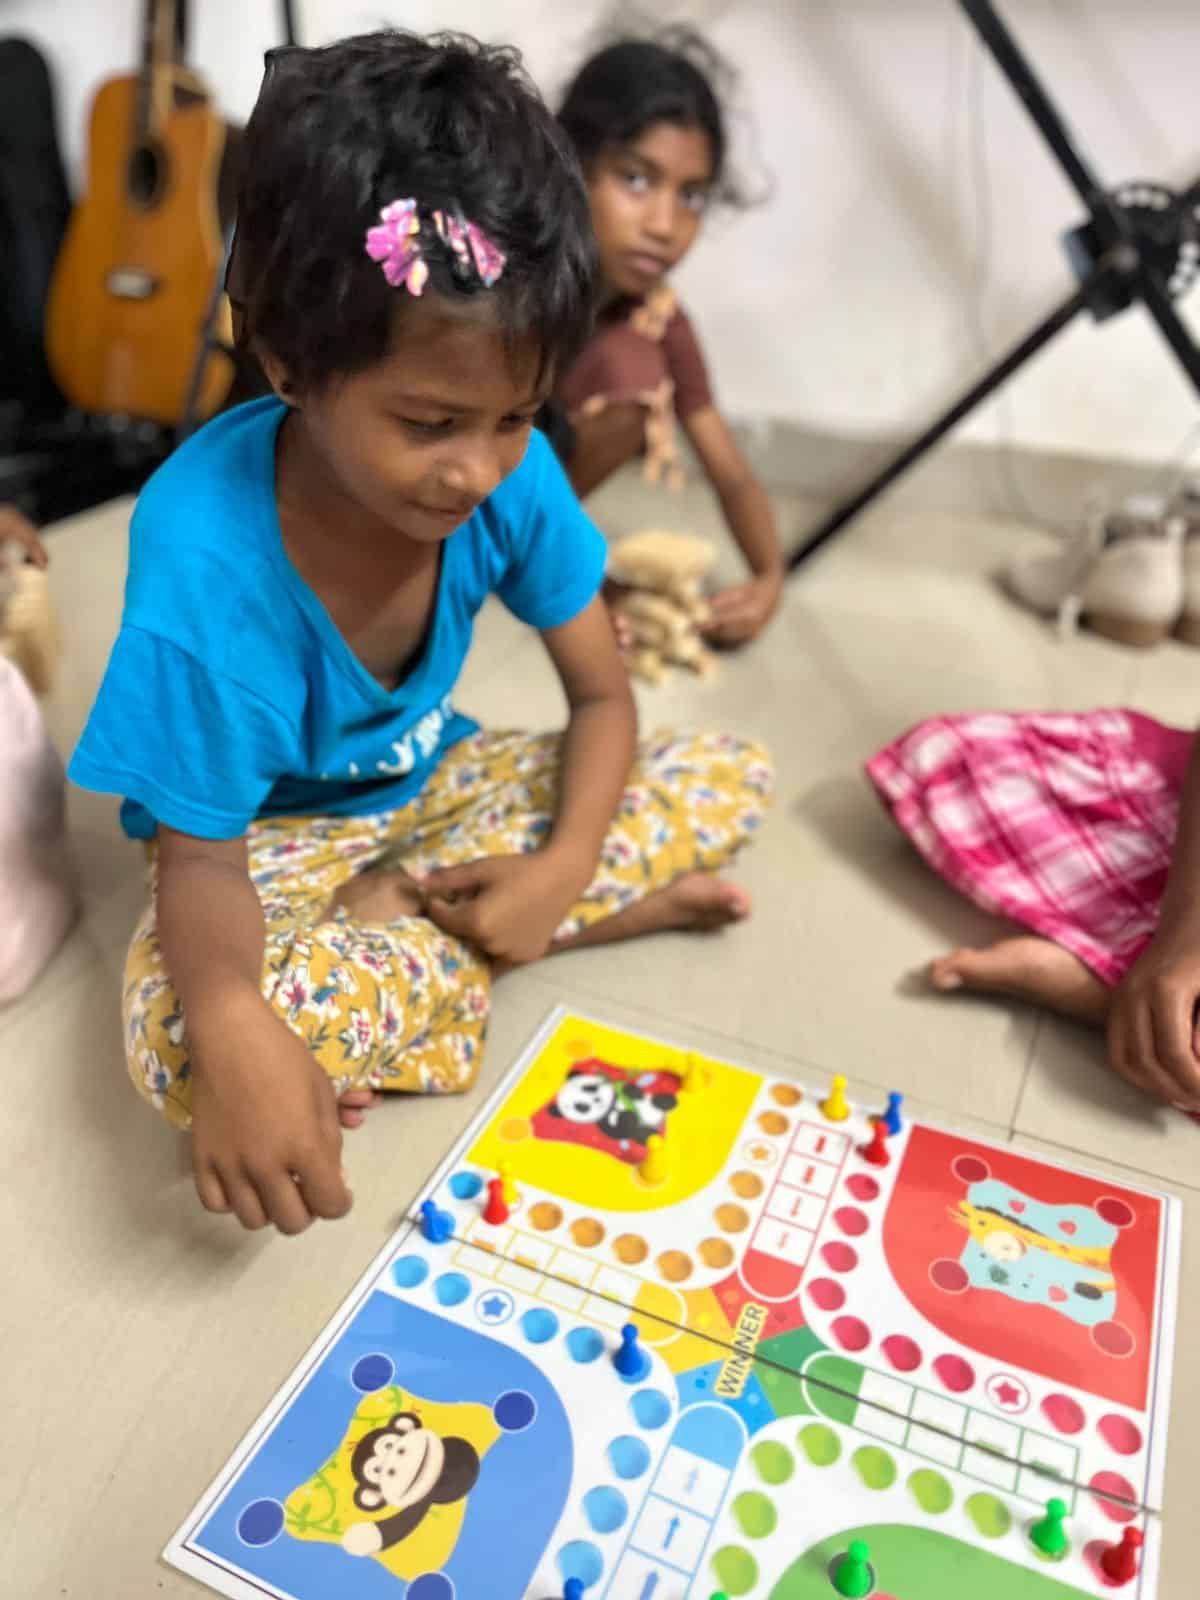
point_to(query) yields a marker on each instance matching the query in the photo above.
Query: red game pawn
(495, 1212)
(1119, 1563)
(877, 1151)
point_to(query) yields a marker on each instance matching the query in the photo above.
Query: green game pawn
(1049, 1536)
(852, 1576)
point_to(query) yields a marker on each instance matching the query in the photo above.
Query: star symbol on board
(493, 1306)
(1007, 1394)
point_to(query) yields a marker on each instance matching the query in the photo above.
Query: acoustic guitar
(136, 273)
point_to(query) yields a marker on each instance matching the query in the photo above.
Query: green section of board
(921, 1562)
(791, 1350)
(784, 1390)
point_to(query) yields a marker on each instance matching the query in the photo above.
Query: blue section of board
(512, 1511)
(704, 1383)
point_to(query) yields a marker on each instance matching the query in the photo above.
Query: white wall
(847, 304)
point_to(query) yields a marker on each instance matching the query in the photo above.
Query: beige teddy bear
(659, 578)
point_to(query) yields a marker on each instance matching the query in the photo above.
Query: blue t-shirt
(231, 695)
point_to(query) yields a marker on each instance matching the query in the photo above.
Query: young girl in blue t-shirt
(341, 859)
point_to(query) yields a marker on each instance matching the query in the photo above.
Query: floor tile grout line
(803, 1378)
(1039, 1023)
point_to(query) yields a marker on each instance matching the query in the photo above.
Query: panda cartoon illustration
(626, 1110)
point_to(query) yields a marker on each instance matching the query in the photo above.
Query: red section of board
(1112, 1361)
(770, 1278)
(733, 1296)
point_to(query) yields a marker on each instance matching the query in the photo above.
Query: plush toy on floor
(659, 578)
(29, 635)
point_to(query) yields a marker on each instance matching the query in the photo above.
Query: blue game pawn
(437, 1226)
(573, 1589)
(631, 1361)
(892, 1115)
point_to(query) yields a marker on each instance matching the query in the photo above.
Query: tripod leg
(999, 374)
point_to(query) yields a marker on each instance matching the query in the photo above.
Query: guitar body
(135, 276)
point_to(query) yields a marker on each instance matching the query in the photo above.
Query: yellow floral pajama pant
(402, 1005)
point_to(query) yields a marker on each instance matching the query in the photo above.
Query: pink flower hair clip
(395, 242)
(462, 236)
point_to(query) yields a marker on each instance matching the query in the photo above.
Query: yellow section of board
(681, 1348)
(700, 1130)
(324, 1509)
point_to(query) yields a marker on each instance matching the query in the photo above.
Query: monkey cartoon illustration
(407, 1467)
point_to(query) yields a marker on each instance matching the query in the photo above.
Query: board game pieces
(437, 1226)
(508, 1188)
(877, 1151)
(835, 1106)
(853, 1576)
(1015, 1311)
(1119, 1562)
(630, 1360)
(655, 1168)
(693, 1077)
(495, 1212)
(892, 1115)
(1049, 1536)
(573, 1589)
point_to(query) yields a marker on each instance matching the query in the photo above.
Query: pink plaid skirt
(1062, 821)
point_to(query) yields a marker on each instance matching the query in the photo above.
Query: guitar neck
(158, 57)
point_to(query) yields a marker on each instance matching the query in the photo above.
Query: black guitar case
(34, 206)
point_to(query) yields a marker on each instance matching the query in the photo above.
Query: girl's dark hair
(342, 131)
(622, 90)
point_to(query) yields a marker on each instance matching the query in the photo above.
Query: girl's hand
(18, 528)
(266, 1142)
(510, 906)
(739, 614)
(1152, 1026)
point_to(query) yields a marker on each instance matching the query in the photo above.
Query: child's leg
(691, 803)
(382, 1006)
(1059, 821)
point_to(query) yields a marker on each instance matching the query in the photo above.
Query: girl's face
(420, 438)
(648, 200)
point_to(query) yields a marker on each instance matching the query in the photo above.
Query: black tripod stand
(1141, 244)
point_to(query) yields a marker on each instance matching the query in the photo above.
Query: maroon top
(635, 346)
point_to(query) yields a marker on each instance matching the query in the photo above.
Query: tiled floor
(139, 1336)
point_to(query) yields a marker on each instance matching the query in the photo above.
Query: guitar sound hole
(147, 174)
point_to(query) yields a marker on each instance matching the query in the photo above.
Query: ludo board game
(664, 1327)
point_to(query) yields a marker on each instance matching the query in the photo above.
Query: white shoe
(1123, 575)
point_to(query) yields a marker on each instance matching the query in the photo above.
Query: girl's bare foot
(696, 902)
(354, 1105)
(380, 897)
(1028, 968)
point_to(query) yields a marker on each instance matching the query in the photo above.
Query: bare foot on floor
(1028, 968)
(354, 1105)
(701, 902)
(697, 902)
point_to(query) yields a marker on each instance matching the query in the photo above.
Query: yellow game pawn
(655, 1168)
(836, 1107)
(509, 1192)
(694, 1077)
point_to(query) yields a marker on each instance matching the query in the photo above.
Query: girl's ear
(277, 374)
